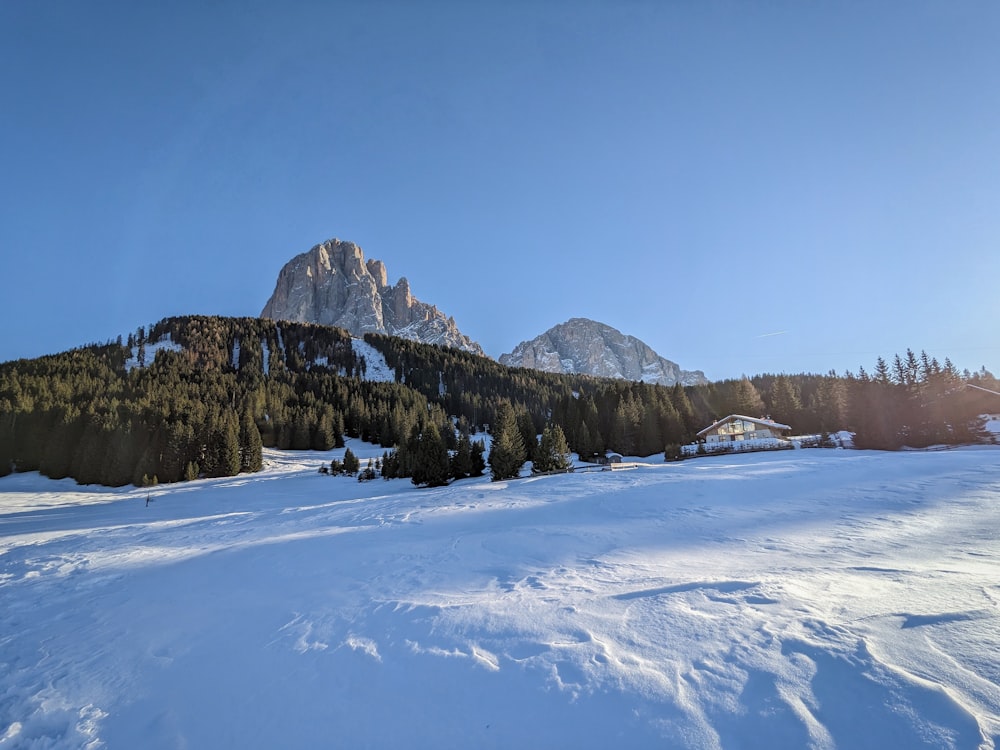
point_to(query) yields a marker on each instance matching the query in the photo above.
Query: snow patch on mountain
(376, 368)
(164, 344)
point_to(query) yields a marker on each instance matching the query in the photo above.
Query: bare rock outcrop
(587, 347)
(333, 285)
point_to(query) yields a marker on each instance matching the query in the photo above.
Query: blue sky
(746, 186)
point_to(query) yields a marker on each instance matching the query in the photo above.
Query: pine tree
(585, 445)
(301, 431)
(390, 465)
(177, 451)
(831, 398)
(627, 424)
(786, 404)
(324, 438)
(746, 399)
(30, 430)
(57, 456)
(229, 452)
(461, 462)
(872, 409)
(120, 459)
(553, 452)
(478, 458)
(682, 404)
(431, 466)
(88, 459)
(251, 446)
(881, 374)
(507, 454)
(222, 449)
(650, 438)
(351, 463)
(529, 435)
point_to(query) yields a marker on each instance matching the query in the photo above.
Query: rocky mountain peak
(377, 270)
(333, 285)
(586, 347)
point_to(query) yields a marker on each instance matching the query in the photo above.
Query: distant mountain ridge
(586, 347)
(333, 285)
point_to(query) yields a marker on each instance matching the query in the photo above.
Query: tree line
(201, 396)
(917, 402)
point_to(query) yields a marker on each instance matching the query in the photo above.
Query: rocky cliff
(591, 348)
(334, 285)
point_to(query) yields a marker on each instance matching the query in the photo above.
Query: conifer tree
(57, 456)
(682, 404)
(553, 453)
(89, 456)
(251, 446)
(120, 459)
(627, 422)
(881, 374)
(222, 449)
(323, 438)
(177, 451)
(31, 427)
(785, 402)
(390, 465)
(746, 399)
(229, 452)
(338, 431)
(507, 454)
(650, 438)
(301, 431)
(431, 466)
(478, 458)
(831, 397)
(529, 435)
(596, 439)
(351, 463)
(461, 462)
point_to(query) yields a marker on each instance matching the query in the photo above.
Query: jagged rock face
(333, 285)
(586, 347)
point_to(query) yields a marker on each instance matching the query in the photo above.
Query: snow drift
(811, 598)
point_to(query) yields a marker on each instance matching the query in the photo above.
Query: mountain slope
(332, 284)
(587, 347)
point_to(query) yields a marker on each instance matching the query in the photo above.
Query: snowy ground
(809, 598)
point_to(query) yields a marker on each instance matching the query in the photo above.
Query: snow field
(811, 598)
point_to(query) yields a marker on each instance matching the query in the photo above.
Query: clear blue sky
(748, 187)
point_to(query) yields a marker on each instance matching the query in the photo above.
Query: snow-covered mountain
(587, 347)
(333, 285)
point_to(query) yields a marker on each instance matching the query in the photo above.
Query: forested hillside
(200, 396)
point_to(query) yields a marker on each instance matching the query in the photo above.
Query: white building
(736, 429)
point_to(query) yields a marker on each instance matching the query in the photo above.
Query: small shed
(604, 459)
(738, 428)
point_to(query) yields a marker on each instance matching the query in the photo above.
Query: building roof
(762, 422)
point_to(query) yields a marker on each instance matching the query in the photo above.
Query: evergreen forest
(200, 396)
